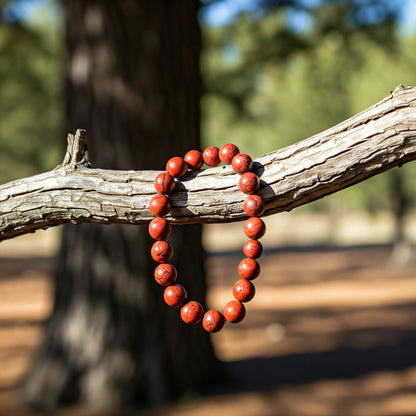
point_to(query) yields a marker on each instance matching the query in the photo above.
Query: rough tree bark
(379, 138)
(133, 82)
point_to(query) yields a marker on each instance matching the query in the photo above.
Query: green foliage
(31, 97)
(267, 87)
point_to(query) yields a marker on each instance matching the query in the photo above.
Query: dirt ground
(331, 332)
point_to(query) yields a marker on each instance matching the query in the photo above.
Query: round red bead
(194, 159)
(213, 321)
(159, 228)
(242, 163)
(161, 251)
(176, 167)
(254, 228)
(244, 291)
(192, 312)
(175, 295)
(164, 183)
(253, 249)
(160, 205)
(234, 311)
(248, 269)
(249, 183)
(165, 274)
(211, 156)
(227, 152)
(253, 205)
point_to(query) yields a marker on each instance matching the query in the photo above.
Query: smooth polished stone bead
(249, 183)
(254, 228)
(244, 290)
(161, 251)
(248, 269)
(213, 321)
(253, 205)
(227, 152)
(242, 163)
(160, 205)
(175, 295)
(165, 274)
(194, 159)
(176, 167)
(159, 228)
(234, 311)
(253, 249)
(192, 312)
(211, 156)
(164, 183)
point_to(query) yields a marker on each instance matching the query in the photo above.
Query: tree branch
(377, 139)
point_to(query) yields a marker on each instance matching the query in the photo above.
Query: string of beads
(165, 273)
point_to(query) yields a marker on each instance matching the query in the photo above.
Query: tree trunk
(402, 251)
(132, 78)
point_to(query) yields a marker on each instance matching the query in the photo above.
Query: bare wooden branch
(377, 139)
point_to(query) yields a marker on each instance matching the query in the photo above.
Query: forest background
(272, 74)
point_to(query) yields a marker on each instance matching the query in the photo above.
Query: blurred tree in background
(269, 81)
(133, 82)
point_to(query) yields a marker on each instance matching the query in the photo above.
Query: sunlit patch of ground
(331, 331)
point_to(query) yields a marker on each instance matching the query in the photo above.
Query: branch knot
(76, 151)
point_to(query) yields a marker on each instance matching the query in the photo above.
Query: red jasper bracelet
(159, 228)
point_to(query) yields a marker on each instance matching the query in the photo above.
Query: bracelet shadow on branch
(379, 138)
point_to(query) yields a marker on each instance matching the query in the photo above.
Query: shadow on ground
(330, 332)
(345, 363)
